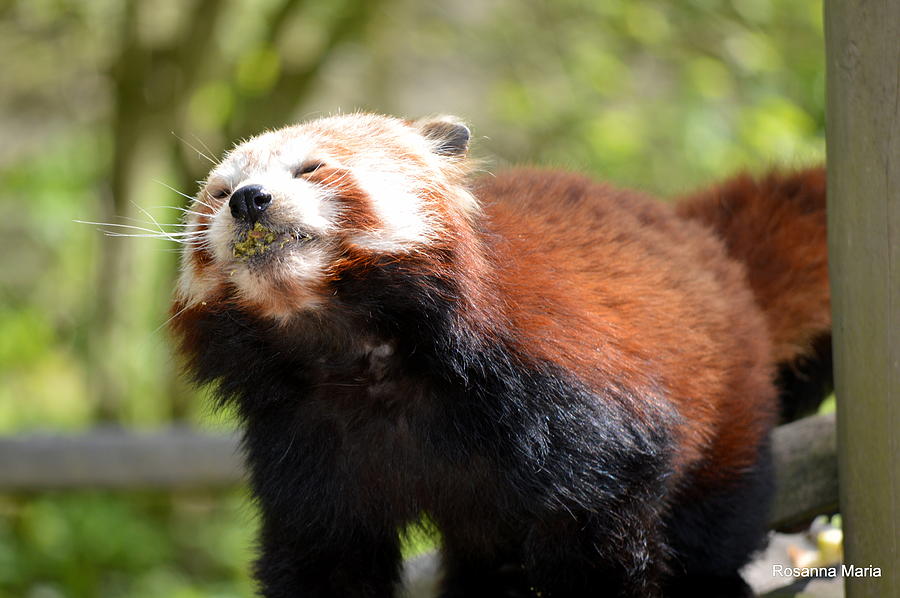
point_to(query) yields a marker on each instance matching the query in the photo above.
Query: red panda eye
(220, 193)
(307, 168)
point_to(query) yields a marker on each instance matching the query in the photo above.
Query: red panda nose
(248, 203)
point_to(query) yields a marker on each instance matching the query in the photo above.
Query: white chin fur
(285, 285)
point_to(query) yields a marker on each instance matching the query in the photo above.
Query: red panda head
(278, 217)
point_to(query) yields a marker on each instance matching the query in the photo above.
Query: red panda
(574, 383)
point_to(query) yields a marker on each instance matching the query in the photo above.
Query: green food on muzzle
(255, 242)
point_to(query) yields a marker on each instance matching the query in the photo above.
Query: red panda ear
(449, 136)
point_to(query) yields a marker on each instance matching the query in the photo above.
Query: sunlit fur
(575, 383)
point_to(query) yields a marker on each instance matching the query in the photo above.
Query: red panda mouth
(260, 240)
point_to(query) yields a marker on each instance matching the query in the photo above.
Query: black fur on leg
(317, 540)
(494, 576)
(804, 384)
(714, 532)
(302, 565)
(572, 558)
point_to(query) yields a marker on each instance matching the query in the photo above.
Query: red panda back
(614, 286)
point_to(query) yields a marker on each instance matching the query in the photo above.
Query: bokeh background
(109, 108)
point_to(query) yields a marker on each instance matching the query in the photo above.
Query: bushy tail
(776, 226)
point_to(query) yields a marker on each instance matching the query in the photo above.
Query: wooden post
(863, 79)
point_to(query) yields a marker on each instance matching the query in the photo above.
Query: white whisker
(206, 147)
(203, 203)
(199, 153)
(128, 226)
(180, 209)
(181, 237)
(177, 237)
(178, 224)
(171, 188)
(175, 315)
(160, 233)
(160, 228)
(332, 182)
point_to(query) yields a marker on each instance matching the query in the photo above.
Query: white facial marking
(397, 205)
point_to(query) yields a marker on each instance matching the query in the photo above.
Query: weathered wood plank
(806, 479)
(178, 458)
(863, 118)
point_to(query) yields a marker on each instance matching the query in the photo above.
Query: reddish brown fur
(777, 227)
(613, 285)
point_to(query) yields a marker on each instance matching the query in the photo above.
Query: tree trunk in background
(115, 256)
(147, 117)
(863, 117)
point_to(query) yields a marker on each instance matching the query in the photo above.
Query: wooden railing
(182, 458)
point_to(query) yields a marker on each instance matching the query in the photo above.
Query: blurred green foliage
(125, 545)
(105, 104)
